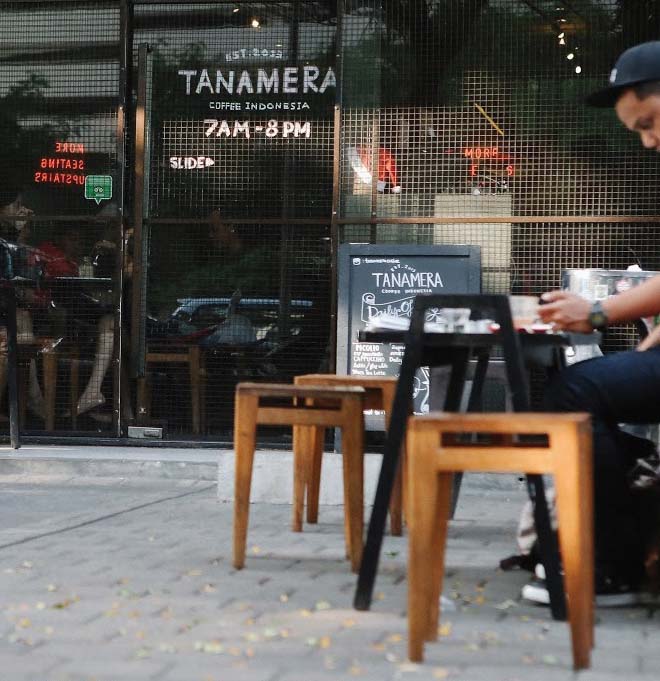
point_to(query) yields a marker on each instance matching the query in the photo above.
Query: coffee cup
(524, 310)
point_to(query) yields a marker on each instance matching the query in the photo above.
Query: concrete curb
(271, 481)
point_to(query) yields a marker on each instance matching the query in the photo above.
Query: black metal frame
(457, 355)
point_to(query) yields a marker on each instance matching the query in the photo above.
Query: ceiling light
(236, 9)
(570, 56)
(561, 35)
(254, 23)
(578, 69)
(562, 41)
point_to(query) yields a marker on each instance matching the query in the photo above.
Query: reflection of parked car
(196, 314)
(253, 339)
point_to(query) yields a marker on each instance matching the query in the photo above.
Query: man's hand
(650, 341)
(565, 310)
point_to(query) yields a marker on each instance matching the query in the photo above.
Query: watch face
(597, 318)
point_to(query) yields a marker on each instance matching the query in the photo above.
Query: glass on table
(448, 319)
(524, 310)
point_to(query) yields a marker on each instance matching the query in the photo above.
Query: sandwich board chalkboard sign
(376, 279)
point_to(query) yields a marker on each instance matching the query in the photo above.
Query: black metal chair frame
(495, 307)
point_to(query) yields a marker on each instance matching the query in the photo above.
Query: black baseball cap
(637, 65)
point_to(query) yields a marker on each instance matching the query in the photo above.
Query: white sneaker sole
(539, 595)
(535, 594)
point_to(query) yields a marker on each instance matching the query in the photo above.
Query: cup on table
(524, 310)
(456, 318)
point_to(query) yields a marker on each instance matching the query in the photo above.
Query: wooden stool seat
(442, 447)
(378, 395)
(176, 354)
(319, 407)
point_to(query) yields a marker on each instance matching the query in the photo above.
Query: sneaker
(611, 592)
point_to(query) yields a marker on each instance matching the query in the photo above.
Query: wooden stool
(379, 394)
(187, 355)
(300, 406)
(31, 350)
(439, 452)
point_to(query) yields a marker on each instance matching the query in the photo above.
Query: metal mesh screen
(59, 85)
(476, 124)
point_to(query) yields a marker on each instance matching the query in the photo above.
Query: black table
(456, 350)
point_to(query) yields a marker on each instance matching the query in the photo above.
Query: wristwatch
(597, 316)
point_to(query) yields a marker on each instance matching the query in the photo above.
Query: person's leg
(92, 396)
(619, 388)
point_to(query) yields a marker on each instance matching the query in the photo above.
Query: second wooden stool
(283, 404)
(379, 394)
(440, 449)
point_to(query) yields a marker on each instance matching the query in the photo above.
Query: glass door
(234, 271)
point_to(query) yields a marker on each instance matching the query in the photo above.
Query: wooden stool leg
(202, 393)
(245, 427)
(74, 385)
(313, 484)
(143, 401)
(23, 388)
(422, 524)
(438, 541)
(396, 503)
(572, 522)
(397, 500)
(301, 462)
(587, 507)
(49, 363)
(353, 466)
(195, 387)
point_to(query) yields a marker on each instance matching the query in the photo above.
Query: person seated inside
(61, 257)
(223, 235)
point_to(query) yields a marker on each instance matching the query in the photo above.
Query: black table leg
(391, 459)
(474, 404)
(548, 544)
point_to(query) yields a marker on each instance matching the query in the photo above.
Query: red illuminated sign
(477, 154)
(481, 152)
(57, 169)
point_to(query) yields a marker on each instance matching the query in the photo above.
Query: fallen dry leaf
(407, 667)
(506, 605)
(444, 629)
(63, 604)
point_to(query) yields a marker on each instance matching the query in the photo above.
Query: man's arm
(570, 311)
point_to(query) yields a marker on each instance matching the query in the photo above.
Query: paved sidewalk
(119, 580)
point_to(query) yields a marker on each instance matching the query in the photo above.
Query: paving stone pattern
(113, 580)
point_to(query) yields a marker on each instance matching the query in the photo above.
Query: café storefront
(177, 177)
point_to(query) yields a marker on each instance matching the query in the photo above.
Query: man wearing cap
(622, 387)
